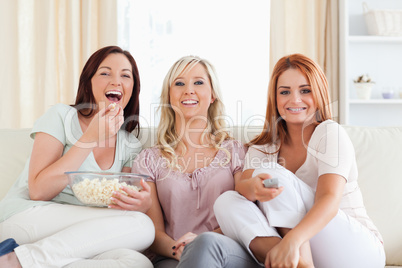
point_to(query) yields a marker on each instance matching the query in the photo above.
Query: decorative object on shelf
(363, 85)
(387, 22)
(388, 93)
(400, 92)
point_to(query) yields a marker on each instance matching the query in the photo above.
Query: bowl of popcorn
(96, 188)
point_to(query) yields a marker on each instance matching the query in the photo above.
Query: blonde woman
(195, 160)
(316, 217)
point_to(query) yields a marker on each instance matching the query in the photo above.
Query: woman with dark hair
(86, 96)
(48, 225)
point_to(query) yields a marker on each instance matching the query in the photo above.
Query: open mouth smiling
(114, 95)
(296, 109)
(189, 102)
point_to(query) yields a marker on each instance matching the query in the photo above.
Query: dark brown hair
(85, 95)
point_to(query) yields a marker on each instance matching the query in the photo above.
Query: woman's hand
(105, 124)
(261, 193)
(178, 247)
(134, 200)
(284, 254)
(253, 188)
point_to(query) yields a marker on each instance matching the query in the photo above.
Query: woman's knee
(206, 240)
(205, 245)
(140, 219)
(203, 241)
(141, 226)
(225, 201)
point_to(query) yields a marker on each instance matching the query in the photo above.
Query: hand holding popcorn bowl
(96, 188)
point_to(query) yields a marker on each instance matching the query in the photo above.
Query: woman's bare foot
(10, 260)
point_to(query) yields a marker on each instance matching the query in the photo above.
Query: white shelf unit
(376, 101)
(378, 56)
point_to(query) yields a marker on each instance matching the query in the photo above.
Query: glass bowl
(388, 93)
(96, 188)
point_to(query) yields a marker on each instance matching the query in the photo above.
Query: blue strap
(7, 246)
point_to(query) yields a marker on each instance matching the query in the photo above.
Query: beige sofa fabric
(379, 160)
(15, 147)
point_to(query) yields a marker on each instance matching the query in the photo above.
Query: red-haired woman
(316, 217)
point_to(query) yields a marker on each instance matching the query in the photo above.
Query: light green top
(61, 121)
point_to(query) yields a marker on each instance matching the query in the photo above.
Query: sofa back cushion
(15, 148)
(379, 162)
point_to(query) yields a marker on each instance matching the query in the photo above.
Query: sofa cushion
(15, 148)
(379, 161)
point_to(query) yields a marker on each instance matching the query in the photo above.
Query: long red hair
(275, 130)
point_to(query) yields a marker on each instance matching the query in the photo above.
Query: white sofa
(379, 159)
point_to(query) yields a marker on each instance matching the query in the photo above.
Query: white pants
(73, 236)
(344, 242)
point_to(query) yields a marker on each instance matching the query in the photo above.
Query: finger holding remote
(271, 183)
(263, 193)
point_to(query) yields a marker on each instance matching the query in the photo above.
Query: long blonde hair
(274, 130)
(167, 137)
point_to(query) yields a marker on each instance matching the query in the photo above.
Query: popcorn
(98, 192)
(112, 106)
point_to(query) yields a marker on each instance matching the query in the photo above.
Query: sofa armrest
(15, 148)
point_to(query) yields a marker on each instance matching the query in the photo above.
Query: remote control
(271, 183)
